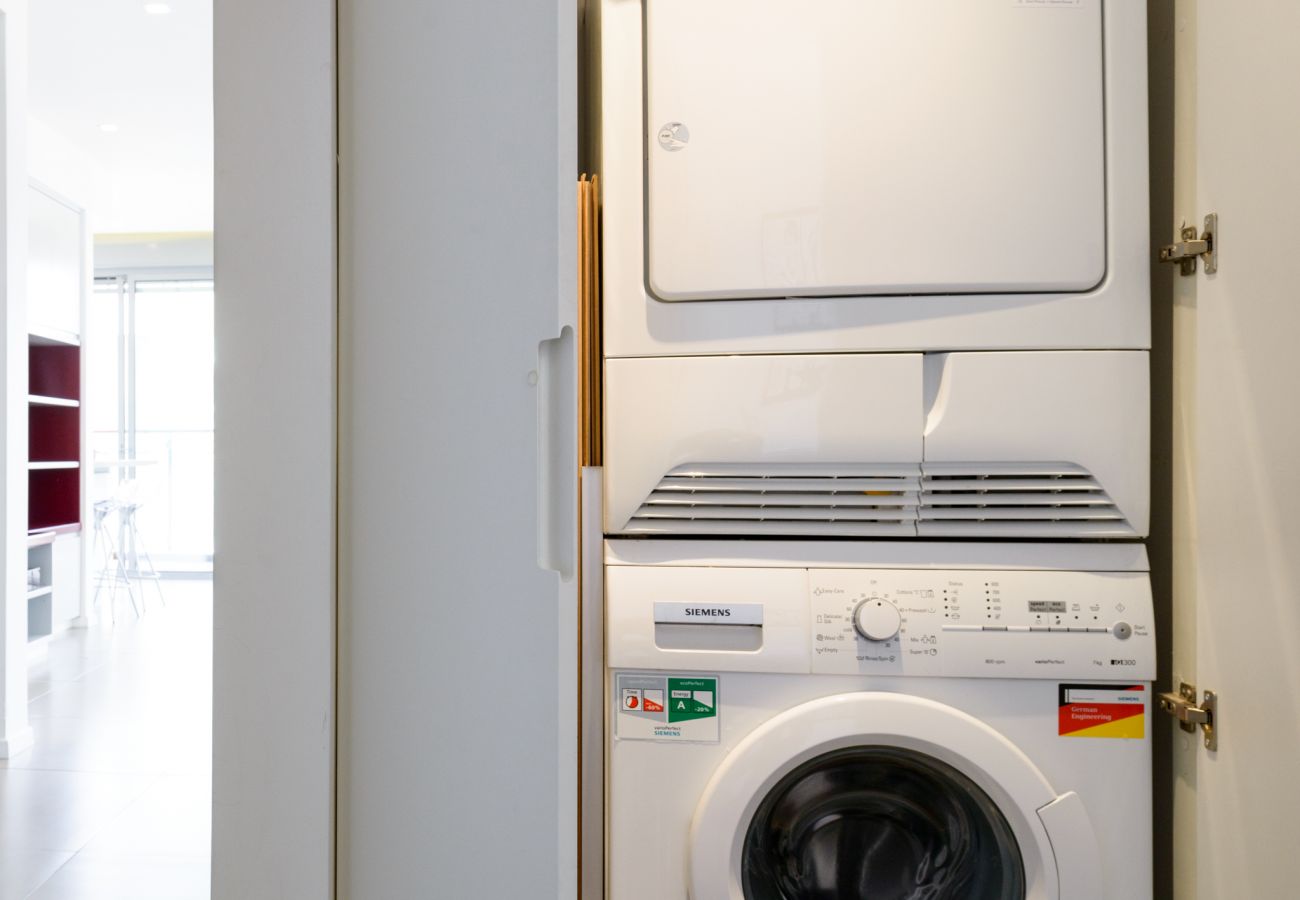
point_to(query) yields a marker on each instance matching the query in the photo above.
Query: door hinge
(1190, 247)
(1183, 707)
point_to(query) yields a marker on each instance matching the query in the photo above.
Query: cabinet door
(458, 140)
(67, 578)
(1247, 440)
(56, 271)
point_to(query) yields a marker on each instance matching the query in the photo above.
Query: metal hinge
(1183, 707)
(1190, 247)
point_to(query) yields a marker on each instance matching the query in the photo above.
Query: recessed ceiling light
(157, 9)
(108, 128)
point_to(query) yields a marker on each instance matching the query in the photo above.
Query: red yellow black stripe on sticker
(1102, 710)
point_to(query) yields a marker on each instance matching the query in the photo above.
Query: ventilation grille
(1016, 499)
(930, 500)
(868, 501)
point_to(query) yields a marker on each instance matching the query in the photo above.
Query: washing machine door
(881, 796)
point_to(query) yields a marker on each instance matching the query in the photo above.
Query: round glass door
(879, 823)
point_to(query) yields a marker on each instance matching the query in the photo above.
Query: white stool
(141, 563)
(111, 570)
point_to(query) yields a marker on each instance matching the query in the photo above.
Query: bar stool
(141, 563)
(111, 570)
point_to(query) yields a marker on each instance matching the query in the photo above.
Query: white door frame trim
(275, 610)
(15, 730)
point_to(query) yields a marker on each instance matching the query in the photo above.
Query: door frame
(15, 729)
(275, 588)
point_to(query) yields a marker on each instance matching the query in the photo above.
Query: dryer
(803, 719)
(851, 175)
(875, 268)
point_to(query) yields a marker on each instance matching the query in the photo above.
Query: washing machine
(853, 719)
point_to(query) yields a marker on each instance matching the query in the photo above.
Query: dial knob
(876, 619)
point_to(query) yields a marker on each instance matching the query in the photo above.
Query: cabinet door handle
(557, 454)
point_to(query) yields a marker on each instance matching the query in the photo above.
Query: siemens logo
(691, 614)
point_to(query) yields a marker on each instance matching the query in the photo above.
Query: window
(151, 409)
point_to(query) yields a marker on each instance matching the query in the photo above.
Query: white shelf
(39, 400)
(61, 464)
(52, 337)
(40, 592)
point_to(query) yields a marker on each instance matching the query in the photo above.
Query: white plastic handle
(557, 454)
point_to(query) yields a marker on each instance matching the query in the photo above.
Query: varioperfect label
(666, 707)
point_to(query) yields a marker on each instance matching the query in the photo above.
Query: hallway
(114, 799)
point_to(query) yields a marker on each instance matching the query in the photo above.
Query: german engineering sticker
(1102, 710)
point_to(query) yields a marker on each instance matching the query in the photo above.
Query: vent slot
(1016, 499)
(932, 500)
(868, 501)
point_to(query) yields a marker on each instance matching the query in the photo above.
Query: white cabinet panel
(67, 578)
(55, 270)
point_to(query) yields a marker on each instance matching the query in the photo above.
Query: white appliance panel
(999, 444)
(661, 414)
(954, 623)
(1111, 311)
(846, 147)
(1088, 409)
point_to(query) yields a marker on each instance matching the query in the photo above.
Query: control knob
(876, 619)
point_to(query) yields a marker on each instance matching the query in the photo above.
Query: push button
(1122, 630)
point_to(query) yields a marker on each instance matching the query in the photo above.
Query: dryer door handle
(1078, 859)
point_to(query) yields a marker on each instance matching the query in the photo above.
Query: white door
(1247, 443)
(458, 496)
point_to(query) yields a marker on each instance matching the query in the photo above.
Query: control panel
(1018, 624)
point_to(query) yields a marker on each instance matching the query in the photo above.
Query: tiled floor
(113, 801)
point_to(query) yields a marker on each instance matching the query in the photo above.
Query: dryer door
(887, 796)
(851, 147)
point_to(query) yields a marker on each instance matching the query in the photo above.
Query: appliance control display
(928, 622)
(1047, 606)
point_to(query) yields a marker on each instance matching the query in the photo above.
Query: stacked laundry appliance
(876, 322)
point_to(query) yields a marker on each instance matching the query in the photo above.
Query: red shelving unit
(54, 449)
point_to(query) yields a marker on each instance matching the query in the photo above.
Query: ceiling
(96, 63)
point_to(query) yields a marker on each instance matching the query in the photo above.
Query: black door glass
(880, 823)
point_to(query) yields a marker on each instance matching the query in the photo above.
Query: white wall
(458, 655)
(15, 733)
(273, 766)
(174, 250)
(65, 168)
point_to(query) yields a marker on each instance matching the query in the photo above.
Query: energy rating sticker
(666, 708)
(1102, 710)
